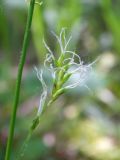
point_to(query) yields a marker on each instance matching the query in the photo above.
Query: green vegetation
(83, 123)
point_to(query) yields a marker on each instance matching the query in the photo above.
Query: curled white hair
(44, 93)
(61, 38)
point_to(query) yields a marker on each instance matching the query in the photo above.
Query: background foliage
(82, 124)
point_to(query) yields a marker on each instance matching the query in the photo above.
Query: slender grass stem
(24, 146)
(19, 77)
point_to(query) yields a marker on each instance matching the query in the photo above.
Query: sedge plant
(62, 69)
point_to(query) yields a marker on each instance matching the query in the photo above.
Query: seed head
(62, 69)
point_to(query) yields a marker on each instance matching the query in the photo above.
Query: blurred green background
(81, 124)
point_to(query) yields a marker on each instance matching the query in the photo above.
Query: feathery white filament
(44, 93)
(61, 38)
(83, 72)
(47, 47)
(66, 43)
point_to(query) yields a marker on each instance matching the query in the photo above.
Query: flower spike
(67, 65)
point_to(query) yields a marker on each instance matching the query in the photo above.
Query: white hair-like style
(44, 93)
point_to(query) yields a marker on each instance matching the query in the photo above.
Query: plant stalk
(19, 77)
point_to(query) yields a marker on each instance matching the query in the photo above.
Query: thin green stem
(19, 77)
(24, 146)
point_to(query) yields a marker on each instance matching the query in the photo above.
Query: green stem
(24, 146)
(19, 77)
